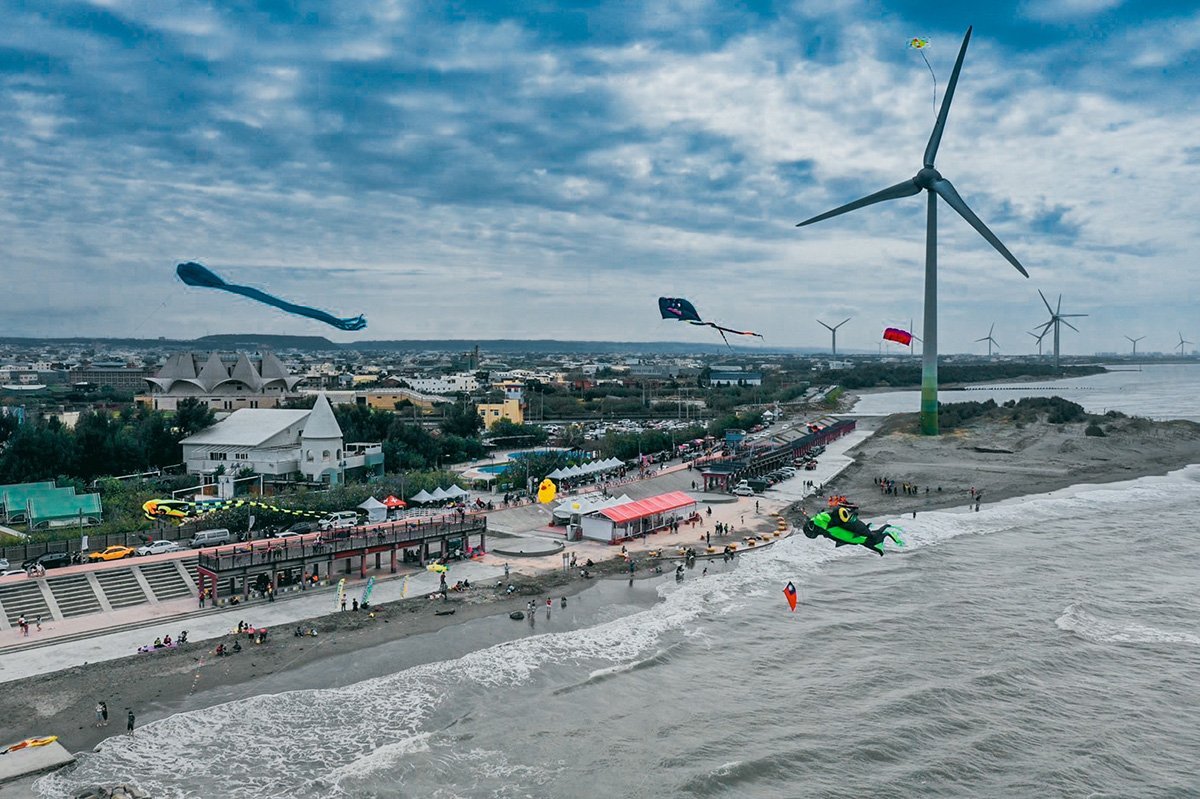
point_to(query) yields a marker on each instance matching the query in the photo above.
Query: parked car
(300, 528)
(112, 553)
(210, 538)
(49, 560)
(3, 564)
(342, 520)
(743, 489)
(159, 547)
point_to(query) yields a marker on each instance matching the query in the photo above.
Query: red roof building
(633, 519)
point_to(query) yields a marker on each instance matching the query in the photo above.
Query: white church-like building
(282, 445)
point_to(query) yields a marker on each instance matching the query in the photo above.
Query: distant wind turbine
(1056, 317)
(1039, 341)
(988, 338)
(834, 330)
(1134, 342)
(928, 179)
(1183, 341)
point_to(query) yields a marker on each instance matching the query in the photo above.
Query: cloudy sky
(533, 169)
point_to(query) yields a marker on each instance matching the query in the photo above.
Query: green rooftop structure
(13, 498)
(62, 508)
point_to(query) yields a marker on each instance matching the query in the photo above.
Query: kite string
(930, 66)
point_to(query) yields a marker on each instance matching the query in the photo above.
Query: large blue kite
(198, 275)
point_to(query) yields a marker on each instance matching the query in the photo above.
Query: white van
(210, 538)
(342, 520)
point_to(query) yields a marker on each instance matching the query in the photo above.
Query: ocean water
(1047, 647)
(1163, 391)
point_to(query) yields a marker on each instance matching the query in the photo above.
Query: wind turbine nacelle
(927, 177)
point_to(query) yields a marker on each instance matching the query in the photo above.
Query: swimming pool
(493, 468)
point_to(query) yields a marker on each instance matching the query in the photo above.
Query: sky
(548, 170)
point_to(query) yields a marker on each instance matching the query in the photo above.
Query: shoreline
(63, 701)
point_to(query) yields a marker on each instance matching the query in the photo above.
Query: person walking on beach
(129, 718)
(505, 570)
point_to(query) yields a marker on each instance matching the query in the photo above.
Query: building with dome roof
(283, 445)
(225, 383)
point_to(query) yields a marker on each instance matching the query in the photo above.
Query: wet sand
(1004, 459)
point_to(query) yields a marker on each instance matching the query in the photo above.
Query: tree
(192, 416)
(462, 419)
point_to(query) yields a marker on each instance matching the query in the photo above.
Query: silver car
(159, 547)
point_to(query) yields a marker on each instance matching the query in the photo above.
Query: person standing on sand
(99, 715)
(505, 570)
(103, 713)
(129, 721)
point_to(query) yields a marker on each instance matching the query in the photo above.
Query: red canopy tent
(394, 502)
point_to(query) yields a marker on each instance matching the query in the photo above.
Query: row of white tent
(586, 469)
(439, 494)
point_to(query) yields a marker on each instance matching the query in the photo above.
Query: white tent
(376, 510)
(439, 494)
(422, 497)
(456, 491)
(554, 475)
(587, 503)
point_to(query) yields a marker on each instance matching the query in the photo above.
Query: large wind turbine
(988, 338)
(928, 179)
(1182, 341)
(1039, 338)
(1056, 316)
(1134, 342)
(834, 330)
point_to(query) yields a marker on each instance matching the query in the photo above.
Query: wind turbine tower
(1182, 341)
(988, 338)
(1039, 338)
(1057, 317)
(1134, 342)
(834, 330)
(929, 180)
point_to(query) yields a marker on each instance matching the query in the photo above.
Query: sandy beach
(1001, 459)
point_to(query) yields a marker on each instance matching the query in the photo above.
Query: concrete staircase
(74, 595)
(165, 580)
(121, 587)
(24, 598)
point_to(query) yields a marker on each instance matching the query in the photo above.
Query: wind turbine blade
(991, 330)
(844, 321)
(935, 138)
(1070, 315)
(906, 189)
(1068, 324)
(946, 191)
(1058, 306)
(1044, 302)
(985, 338)
(822, 324)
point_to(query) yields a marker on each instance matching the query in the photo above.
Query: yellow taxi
(112, 553)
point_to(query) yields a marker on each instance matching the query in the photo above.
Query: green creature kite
(841, 525)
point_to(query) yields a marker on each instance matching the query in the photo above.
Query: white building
(283, 444)
(445, 384)
(223, 384)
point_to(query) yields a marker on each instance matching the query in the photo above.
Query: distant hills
(244, 341)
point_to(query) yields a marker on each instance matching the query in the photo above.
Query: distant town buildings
(493, 412)
(735, 379)
(119, 376)
(224, 383)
